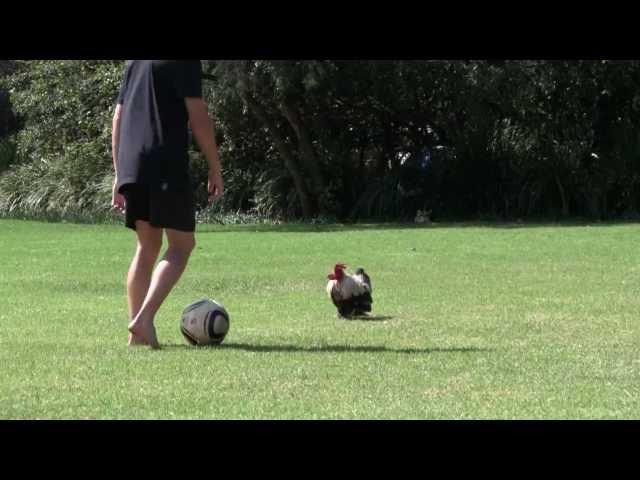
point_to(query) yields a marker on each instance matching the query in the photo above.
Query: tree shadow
(348, 227)
(326, 348)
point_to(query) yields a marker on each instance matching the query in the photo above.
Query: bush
(60, 163)
(7, 153)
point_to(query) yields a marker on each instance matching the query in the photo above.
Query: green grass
(473, 322)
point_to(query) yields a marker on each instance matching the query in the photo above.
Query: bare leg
(141, 269)
(165, 276)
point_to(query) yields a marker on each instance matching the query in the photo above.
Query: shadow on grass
(368, 318)
(327, 348)
(328, 228)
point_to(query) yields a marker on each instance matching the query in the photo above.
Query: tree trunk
(563, 197)
(385, 153)
(308, 206)
(306, 149)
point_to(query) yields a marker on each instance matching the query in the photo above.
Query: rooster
(351, 294)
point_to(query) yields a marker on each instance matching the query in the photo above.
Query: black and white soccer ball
(205, 322)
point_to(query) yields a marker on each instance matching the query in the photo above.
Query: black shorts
(161, 208)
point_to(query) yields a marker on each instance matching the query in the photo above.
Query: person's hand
(215, 186)
(117, 199)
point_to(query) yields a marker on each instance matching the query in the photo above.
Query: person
(157, 102)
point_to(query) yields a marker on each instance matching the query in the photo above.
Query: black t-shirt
(154, 137)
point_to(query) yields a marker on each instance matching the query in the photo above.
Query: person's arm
(203, 131)
(117, 199)
(115, 137)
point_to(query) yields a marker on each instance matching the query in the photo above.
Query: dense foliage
(351, 140)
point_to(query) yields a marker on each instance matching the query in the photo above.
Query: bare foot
(135, 340)
(146, 332)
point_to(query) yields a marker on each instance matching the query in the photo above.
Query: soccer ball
(204, 322)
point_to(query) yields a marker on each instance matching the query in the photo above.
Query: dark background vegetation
(348, 141)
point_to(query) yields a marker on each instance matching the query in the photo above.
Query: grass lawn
(469, 322)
